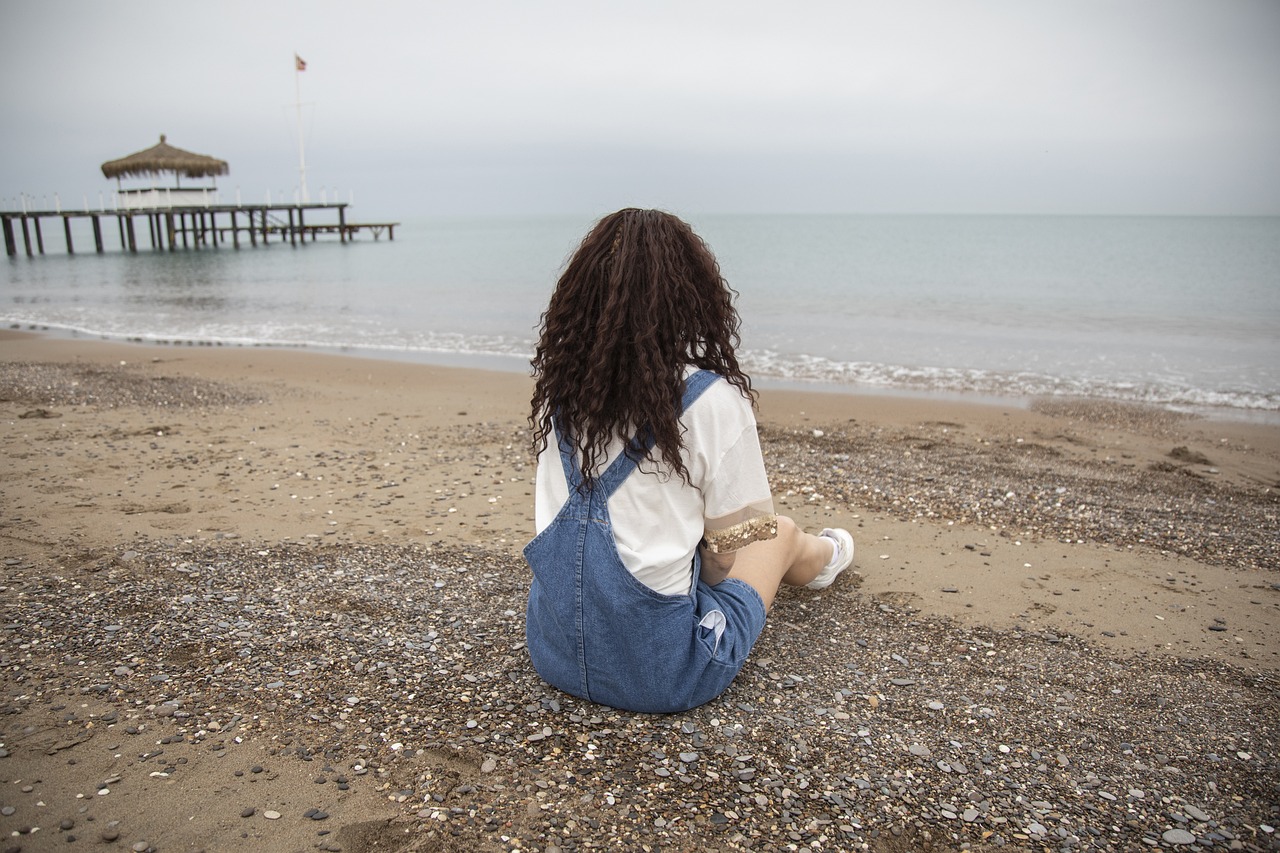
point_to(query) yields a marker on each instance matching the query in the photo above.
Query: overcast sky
(560, 106)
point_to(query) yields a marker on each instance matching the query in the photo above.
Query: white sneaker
(840, 560)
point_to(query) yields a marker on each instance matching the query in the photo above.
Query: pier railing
(173, 228)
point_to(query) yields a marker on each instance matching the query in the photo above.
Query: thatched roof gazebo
(165, 158)
(161, 159)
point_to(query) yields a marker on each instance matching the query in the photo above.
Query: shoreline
(511, 363)
(309, 563)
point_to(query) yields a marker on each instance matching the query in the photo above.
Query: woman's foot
(841, 558)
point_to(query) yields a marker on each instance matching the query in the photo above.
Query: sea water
(1179, 311)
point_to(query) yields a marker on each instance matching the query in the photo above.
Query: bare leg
(793, 557)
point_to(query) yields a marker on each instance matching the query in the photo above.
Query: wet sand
(241, 581)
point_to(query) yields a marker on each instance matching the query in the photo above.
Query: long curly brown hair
(640, 299)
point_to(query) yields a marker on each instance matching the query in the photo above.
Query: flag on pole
(299, 63)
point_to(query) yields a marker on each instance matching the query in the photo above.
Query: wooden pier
(173, 228)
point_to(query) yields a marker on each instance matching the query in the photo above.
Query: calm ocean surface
(1180, 311)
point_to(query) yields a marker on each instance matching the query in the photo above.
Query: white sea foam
(1020, 384)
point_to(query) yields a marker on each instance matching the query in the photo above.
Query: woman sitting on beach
(658, 552)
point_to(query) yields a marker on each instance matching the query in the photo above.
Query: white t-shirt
(658, 520)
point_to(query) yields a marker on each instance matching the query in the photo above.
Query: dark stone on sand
(1191, 457)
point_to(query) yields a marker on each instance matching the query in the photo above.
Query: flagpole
(302, 157)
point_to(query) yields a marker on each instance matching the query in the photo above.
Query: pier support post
(342, 225)
(235, 235)
(10, 244)
(26, 236)
(133, 238)
(97, 234)
(124, 244)
(66, 230)
(39, 236)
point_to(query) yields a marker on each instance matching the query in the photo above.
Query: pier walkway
(172, 228)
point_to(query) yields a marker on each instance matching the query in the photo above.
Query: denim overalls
(597, 632)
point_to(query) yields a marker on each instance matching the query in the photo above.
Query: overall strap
(626, 463)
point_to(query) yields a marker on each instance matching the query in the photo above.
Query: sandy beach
(258, 599)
